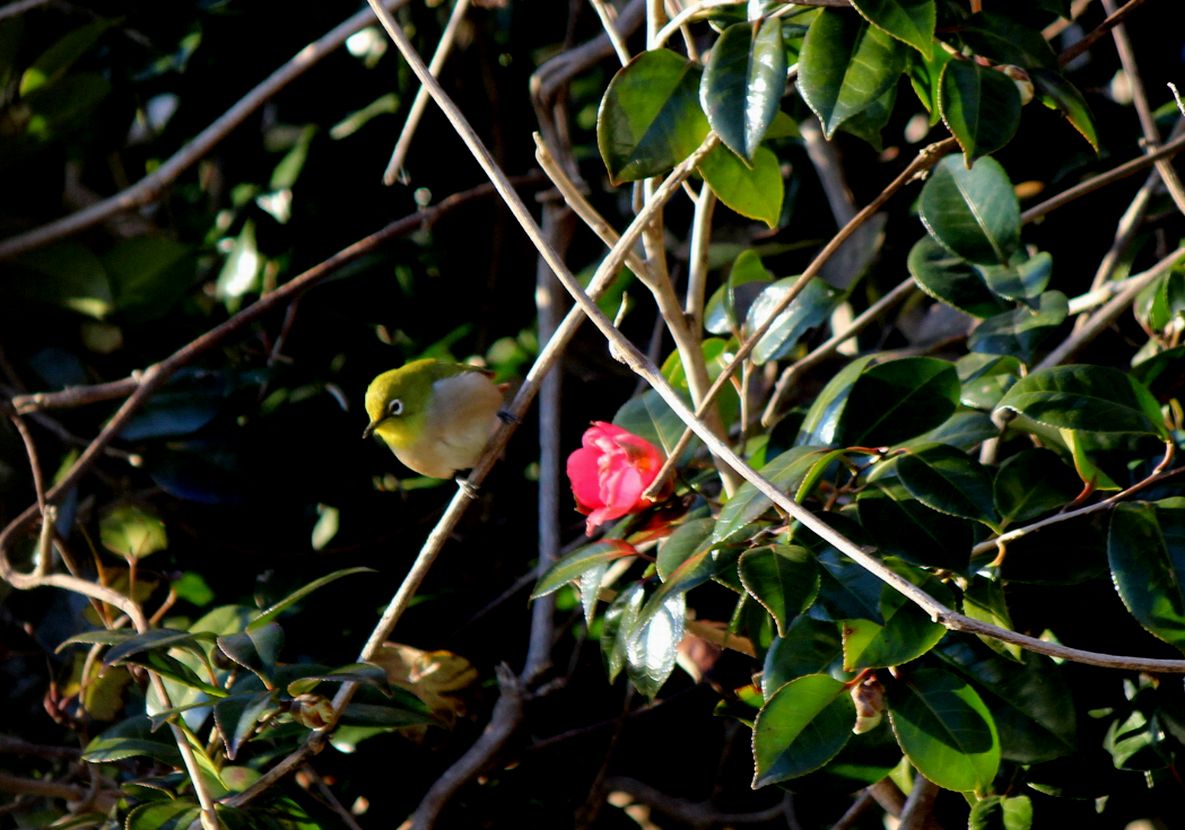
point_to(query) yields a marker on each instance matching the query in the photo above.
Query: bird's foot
(467, 487)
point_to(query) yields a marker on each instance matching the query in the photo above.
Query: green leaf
(896, 400)
(754, 191)
(649, 416)
(236, 718)
(367, 674)
(868, 123)
(132, 738)
(149, 275)
(1031, 702)
(578, 562)
(980, 106)
(949, 481)
(803, 725)
(172, 814)
(1146, 551)
(905, 527)
(650, 118)
(65, 274)
(256, 649)
(1022, 281)
(809, 309)
(822, 422)
(267, 615)
(1019, 332)
(1086, 398)
(847, 590)
(965, 430)
(1006, 40)
(845, 65)
(950, 279)
(1032, 483)
(55, 61)
(155, 639)
(619, 620)
(743, 84)
(1161, 303)
(910, 21)
(810, 646)
(786, 472)
(730, 304)
(972, 212)
(945, 730)
(1057, 93)
(907, 631)
(783, 578)
(652, 645)
(998, 812)
(132, 532)
(986, 378)
(688, 539)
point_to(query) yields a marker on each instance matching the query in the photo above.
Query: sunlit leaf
(973, 213)
(743, 83)
(801, 727)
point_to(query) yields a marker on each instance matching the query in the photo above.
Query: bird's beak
(369, 431)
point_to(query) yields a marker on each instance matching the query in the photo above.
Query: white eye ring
(395, 407)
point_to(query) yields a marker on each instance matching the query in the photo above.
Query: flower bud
(1024, 84)
(869, 697)
(312, 711)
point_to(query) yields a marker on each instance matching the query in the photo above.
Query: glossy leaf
(689, 538)
(803, 725)
(152, 640)
(1030, 700)
(1002, 813)
(1005, 40)
(649, 416)
(965, 430)
(1057, 93)
(945, 730)
(973, 213)
(809, 309)
(276, 609)
(237, 717)
(753, 190)
(868, 123)
(1146, 551)
(651, 646)
(847, 590)
(910, 21)
(980, 105)
(132, 738)
(1022, 281)
(907, 631)
(893, 401)
(810, 646)
(650, 118)
(783, 578)
(787, 471)
(619, 620)
(821, 425)
(1086, 398)
(1032, 483)
(986, 378)
(949, 481)
(903, 526)
(950, 279)
(256, 649)
(171, 814)
(578, 562)
(1019, 332)
(743, 83)
(844, 66)
(728, 307)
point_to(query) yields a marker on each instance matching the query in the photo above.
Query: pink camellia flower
(610, 472)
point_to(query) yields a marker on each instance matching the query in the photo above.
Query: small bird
(435, 416)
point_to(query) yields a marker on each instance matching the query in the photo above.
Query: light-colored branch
(831, 345)
(1107, 315)
(926, 158)
(20, 7)
(151, 187)
(1098, 33)
(700, 814)
(697, 257)
(399, 155)
(1116, 174)
(1127, 57)
(608, 17)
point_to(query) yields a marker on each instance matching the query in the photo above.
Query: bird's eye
(395, 407)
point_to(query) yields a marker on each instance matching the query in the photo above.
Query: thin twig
(1127, 57)
(698, 252)
(695, 813)
(1106, 315)
(1098, 32)
(1113, 175)
(334, 804)
(831, 345)
(399, 154)
(151, 187)
(926, 158)
(608, 17)
(920, 804)
(20, 7)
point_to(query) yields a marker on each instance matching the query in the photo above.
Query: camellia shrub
(896, 501)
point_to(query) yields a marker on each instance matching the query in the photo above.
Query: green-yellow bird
(435, 416)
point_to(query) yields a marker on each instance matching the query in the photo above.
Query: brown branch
(104, 799)
(153, 186)
(1099, 32)
(1113, 175)
(916, 815)
(695, 813)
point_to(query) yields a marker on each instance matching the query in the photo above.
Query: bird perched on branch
(435, 416)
